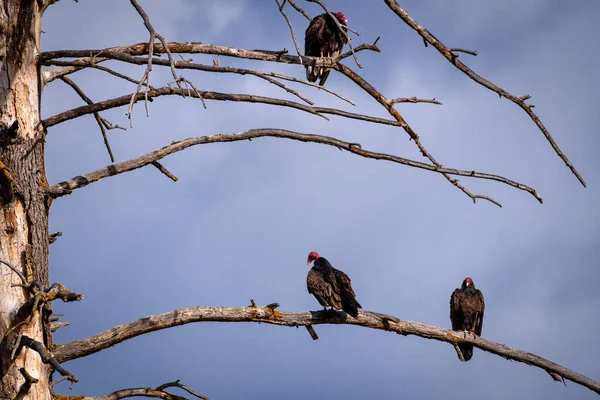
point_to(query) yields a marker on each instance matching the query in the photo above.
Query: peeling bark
(24, 214)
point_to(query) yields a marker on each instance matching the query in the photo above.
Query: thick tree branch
(168, 91)
(160, 392)
(367, 319)
(453, 59)
(139, 49)
(66, 187)
(266, 75)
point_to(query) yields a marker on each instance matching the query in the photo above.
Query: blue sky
(243, 217)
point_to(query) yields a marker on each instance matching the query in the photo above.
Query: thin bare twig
(153, 35)
(280, 6)
(299, 9)
(66, 187)
(146, 78)
(165, 171)
(16, 271)
(101, 122)
(459, 50)
(83, 347)
(451, 57)
(413, 100)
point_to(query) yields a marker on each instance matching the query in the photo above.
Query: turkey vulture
(330, 286)
(466, 313)
(323, 38)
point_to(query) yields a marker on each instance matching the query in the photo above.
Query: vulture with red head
(323, 38)
(466, 313)
(330, 286)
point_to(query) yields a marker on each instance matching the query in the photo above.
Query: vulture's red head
(342, 18)
(467, 282)
(312, 256)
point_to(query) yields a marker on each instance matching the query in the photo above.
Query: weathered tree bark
(23, 204)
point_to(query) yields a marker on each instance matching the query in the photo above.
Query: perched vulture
(330, 286)
(466, 313)
(323, 38)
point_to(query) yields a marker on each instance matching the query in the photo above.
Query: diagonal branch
(47, 357)
(453, 59)
(93, 344)
(66, 187)
(280, 6)
(101, 121)
(299, 9)
(375, 94)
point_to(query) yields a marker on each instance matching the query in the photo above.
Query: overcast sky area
(243, 216)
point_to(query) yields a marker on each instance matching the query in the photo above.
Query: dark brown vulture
(466, 313)
(330, 286)
(323, 38)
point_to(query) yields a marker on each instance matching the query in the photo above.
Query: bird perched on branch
(323, 38)
(466, 313)
(330, 286)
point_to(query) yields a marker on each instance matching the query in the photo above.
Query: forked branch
(66, 187)
(453, 59)
(160, 392)
(268, 315)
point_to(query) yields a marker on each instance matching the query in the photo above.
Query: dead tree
(26, 324)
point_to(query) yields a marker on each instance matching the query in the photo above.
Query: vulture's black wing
(349, 303)
(479, 304)
(455, 314)
(321, 283)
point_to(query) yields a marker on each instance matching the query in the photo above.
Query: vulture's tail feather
(349, 304)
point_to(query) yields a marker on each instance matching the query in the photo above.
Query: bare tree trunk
(24, 210)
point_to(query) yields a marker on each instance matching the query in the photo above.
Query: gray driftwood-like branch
(66, 187)
(266, 75)
(217, 96)
(367, 319)
(453, 59)
(125, 54)
(160, 392)
(129, 53)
